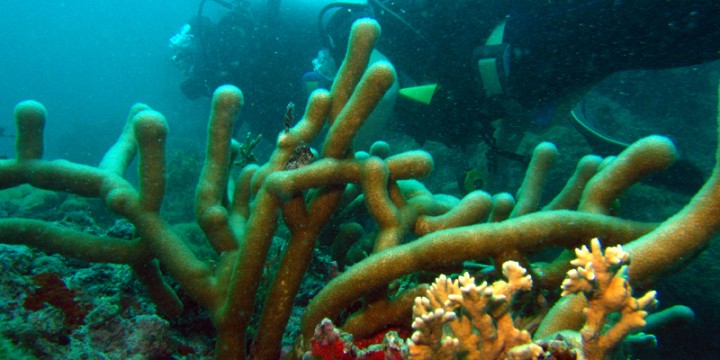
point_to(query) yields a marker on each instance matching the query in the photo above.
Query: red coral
(331, 351)
(330, 343)
(53, 291)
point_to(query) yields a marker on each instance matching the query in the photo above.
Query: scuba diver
(249, 46)
(467, 64)
(210, 54)
(464, 64)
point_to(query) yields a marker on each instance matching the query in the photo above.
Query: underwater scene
(361, 179)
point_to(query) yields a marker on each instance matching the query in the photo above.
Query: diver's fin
(683, 176)
(601, 144)
(569, 103)
(422, 94)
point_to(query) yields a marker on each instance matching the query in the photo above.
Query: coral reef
(459, 319)
(414, 231)
(602, 278)
(119, 322)
(328, 342)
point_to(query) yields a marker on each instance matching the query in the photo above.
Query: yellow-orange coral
(461, 318)
(602, 277)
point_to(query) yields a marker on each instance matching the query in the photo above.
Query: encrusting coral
(240, 218)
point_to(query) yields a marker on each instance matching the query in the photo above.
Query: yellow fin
(422, 94)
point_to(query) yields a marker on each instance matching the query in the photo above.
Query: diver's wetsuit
(562, 45)
(251, 54)
(557, 48)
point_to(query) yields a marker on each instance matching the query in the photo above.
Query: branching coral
(239, 225)
(602, 278)
(459, 319)
(517, 229)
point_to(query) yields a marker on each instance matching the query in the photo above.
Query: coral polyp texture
(602, 278)
(458, 319)
(483, 329)
(412, 230)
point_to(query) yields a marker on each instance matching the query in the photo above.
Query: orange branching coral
(461, 318)
(602, 277)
